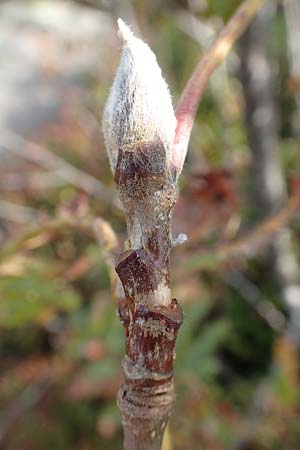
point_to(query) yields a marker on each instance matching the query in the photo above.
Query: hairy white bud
(139, 107)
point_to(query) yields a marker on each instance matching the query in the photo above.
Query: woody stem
(151, 318)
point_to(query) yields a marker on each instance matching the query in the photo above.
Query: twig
(102, 230)
(107, 240)
(139, 124)
(52, 226)
(61, 168)
(16, 213)
(204, 32)
(191, 96)
(201, 32)
(29, 398)
(248, 244)
(254, 297)
(33, 180)
(110, 247)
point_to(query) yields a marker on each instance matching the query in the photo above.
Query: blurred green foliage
(31, 298)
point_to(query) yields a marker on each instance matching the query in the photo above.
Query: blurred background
(238, 276)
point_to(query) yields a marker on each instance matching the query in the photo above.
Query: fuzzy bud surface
(139, 107)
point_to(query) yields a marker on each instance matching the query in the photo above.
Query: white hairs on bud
(139, 107)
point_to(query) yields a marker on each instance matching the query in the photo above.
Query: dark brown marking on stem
(137, 273)
(147, 395)
(144, 160)
(152, 334)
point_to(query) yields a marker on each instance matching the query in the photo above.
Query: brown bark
(151, 318)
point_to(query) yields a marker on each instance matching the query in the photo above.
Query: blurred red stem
(191, 96)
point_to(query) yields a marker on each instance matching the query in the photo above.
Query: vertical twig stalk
(139, 125)
(152, 319)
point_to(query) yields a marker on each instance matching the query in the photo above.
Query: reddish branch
(191, 96)
(252, 242)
